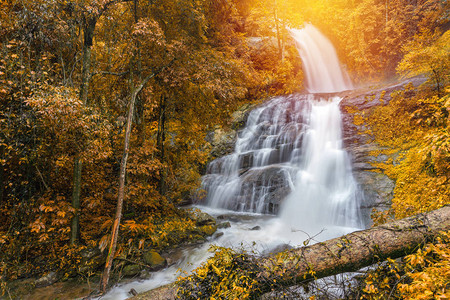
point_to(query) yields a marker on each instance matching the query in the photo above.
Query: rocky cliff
(356, 106)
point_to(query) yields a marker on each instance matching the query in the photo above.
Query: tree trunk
(123, 168)
(85, 74)
(275, 15)
(121, 193)
(88, 33)
(160, 138)
(348, 253)
(2, 183)
(75, 227)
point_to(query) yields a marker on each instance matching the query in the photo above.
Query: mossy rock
(239, 117)
(201, 218)
(224, 225)
(131, 270)
(222, 142)
(154, 260)
(196, 239)
(208, 229)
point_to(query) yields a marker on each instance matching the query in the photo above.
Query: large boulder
(154, 260)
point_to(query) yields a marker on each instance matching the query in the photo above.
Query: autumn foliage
(67, 73)
(413, 128)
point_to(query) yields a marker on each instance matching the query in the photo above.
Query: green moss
(208, 229)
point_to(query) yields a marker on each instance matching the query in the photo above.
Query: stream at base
(272, 234)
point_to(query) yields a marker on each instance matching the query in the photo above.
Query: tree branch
(110, 73)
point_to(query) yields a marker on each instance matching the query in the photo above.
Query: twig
(110, 73)
(42, 178)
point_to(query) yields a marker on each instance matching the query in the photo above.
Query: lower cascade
(289, 161)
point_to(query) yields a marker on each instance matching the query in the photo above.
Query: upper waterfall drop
(320, 62)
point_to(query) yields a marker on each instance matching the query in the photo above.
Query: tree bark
(2, 183)
(121, 193)
(88, 37)
(123, 168)
(88, 28)
(75, 227)
(88, 32)
(160, 138)
(348, 253)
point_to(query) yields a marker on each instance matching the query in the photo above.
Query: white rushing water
(320, 62)
(289, 174)
(325, 194)
(265, 160)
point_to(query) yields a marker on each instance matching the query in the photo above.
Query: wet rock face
(256, 175)
(271, 182)
(376, 186)
(223, 140)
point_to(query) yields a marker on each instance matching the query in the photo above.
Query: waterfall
(320, 62)
(325, 193)
(289, 159)
(265, 159)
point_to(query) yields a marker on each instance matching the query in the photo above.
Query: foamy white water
(325, 194)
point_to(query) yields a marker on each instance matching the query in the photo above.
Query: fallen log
(348, 253)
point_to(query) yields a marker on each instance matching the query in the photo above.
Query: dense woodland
(93, 90)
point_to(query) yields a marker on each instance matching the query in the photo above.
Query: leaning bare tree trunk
(348, 253)
(356, 250)
(75, 223)
(123, 168)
